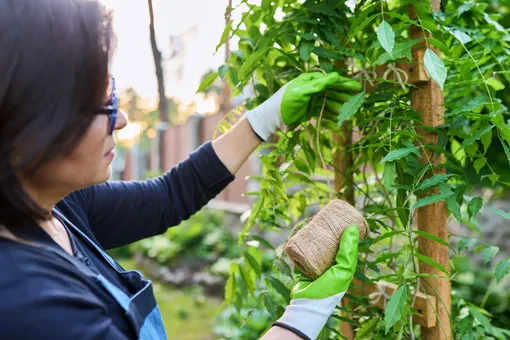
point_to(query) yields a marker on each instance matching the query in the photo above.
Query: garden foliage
(466, 51)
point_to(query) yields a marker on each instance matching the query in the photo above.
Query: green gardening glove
(305, 94)
(301, 99)
(314, 301)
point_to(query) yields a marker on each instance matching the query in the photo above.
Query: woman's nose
(121, 121)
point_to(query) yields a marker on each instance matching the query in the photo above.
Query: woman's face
(88, 164)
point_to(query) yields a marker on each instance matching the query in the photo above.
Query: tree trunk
(163, 102)
(225, 95)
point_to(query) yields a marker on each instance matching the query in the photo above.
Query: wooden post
(427, 99)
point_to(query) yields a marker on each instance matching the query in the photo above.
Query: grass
(187, 313)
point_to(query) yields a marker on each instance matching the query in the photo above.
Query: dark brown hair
(54, 58)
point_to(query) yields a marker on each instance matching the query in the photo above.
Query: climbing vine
(466, 51)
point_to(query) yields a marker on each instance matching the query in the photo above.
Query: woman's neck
(45, 196)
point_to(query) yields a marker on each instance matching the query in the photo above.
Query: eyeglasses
(112, 106)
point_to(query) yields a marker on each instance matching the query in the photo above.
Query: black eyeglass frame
(112, 108)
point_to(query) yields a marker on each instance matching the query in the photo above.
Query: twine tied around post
(313, 249)
(376, 296)
(400, 75)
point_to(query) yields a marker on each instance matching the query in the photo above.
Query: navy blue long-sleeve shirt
(44, 297)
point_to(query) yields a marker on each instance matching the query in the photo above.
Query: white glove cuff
(309, 316)
(266, 118)
(262, 124)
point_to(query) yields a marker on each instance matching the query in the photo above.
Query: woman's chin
(103, 176)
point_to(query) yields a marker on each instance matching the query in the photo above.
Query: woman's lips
(110, 155)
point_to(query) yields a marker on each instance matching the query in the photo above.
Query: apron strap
(33, 232)
(86, 239)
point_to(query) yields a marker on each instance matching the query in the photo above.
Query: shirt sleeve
(122, 212)
(46, 304)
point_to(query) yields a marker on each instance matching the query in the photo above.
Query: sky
(133, 64)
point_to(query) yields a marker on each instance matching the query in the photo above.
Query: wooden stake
(427, 99)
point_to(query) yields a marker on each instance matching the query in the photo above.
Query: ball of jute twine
(313, 249)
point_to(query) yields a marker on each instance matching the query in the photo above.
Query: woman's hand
(314, 301)
(300, 98)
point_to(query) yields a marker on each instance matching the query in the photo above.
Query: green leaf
(506, 148)
(282, 266)
(270, 305)
(458, 151)
(474, 206)
(494, 178)
(466, 243)
(432, 237)
(495, 84)
(499, 212)
(385, 256)
(430, 262)
(207, 81)
(433, 181)
(471, 105)
(367, 329)
(464, 8)
(249, 278)
(262, 241)
(435, 67)
(325, 9)
(253, 263)
(222, 70)
(350, 108)
(403, 210)
(279, 287)
(386, 37)
(432, 199)
(486, 141)
(307, 36)
(396, 307)
(359, 26)
(252, 62)
(496, 24)
(322, 52)
(440, 45)
(230, 288)
(224, 35)
(462, 37)
(453, 206)
(403, 49)
(502, 269)
(479, 164)
(488, 253)
(306, 50)
(400, 50)
(398, 154)
(254, 213)
(481, 318)
(476, 136)
(389, 174)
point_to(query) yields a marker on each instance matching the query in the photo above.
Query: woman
(58, 112)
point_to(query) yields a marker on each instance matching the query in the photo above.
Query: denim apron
(141, 308)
